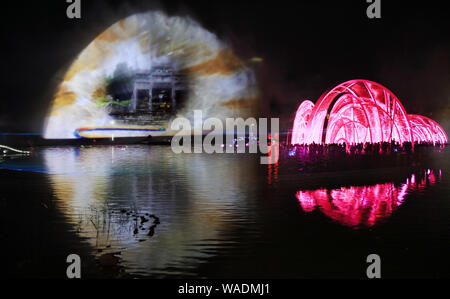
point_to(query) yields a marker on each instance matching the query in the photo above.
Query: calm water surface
(145, 211)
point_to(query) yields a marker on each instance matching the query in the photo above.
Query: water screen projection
(360, 111)
(144, 70)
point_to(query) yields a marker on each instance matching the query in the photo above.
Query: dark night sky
(307, 48)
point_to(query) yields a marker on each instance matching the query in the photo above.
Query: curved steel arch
(361, 111)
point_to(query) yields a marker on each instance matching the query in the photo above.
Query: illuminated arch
(301, 121)
(359, 111)
(426, 129)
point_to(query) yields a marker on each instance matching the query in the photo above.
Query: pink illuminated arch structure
(360, 111)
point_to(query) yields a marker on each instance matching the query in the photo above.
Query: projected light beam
(360, 111)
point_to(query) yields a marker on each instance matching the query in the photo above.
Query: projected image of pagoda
(145, 96)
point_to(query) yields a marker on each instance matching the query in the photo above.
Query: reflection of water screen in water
(144, 70)
(112, 193)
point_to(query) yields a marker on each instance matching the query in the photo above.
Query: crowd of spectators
(383, 154)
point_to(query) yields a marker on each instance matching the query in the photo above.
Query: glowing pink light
(361, 206)
(360, 111)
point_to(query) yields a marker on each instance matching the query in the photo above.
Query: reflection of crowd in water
(314, 156)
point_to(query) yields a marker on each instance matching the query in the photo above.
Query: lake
(144, 211)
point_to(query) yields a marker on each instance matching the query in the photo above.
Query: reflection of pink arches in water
(361, 111)
(362, 206)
